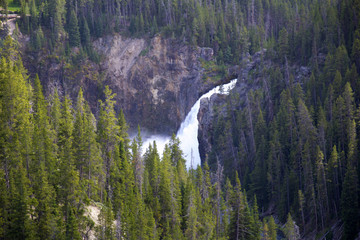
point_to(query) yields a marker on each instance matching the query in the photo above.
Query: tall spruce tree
(107, 132)
(73, 30)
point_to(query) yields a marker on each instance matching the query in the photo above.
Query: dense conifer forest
(284, 163)
(57, 159)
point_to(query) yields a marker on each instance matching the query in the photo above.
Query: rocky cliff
(156, 81)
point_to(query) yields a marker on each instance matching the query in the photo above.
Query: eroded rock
(156, 81)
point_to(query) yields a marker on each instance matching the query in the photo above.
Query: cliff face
(156, 81)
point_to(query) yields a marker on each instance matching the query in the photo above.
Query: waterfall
(188, 131)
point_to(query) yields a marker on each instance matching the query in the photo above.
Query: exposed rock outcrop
(156, 81)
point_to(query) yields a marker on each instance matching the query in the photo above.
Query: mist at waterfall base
(188, 131)
(161, 141)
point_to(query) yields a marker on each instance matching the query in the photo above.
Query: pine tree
(256, 224)
(43, 142)
(19, 223)
(237, 226)
(349, 202)
(80, 139)
(85, 34)
(150, 230)
(265, 232)
(137, 161)
(168, 191)
(108, 135)
(348, 96)
(190, 211)
(123, 131)
(69, 193)
(306, 127)
(322, 194)
(191, 231)
(93, 163)
(341, 59)
(340, 123)
(291, 230)
(105, 229)
(15, 125)
(301, 204)
(309, 188)
(55, 112)
(4, 205)
(73, 30)
(126, 196)
(152, 164)
(334, 180)
(177, 159)
(338, 84)
(352, 77)
(56, 15)
(46, 210)
(15, 145)
(272, 229)
(72, 232)
(283, 44)
(355, 53)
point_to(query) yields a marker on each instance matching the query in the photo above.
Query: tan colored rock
(156, 81)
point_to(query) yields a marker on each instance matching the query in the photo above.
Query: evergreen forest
(58, 163)
(284, 162)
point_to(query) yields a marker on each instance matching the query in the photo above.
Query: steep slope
(156, 81)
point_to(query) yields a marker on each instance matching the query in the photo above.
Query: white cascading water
(188, 131)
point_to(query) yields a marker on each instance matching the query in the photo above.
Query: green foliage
(85, 34)
(47, 215)
(233, 30)
(213, 71)
(272, 228)
(73, 30)
(55, 17)
(12, 5)
(283, 43)
(291, 230)
(294, 142)
(349, 203)
(72, 231)
(356, 49)
(54, 160)
(19, 225)
(291, 141)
